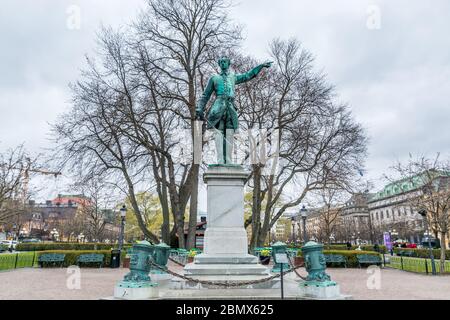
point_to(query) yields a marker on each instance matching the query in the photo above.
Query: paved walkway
(49, 284)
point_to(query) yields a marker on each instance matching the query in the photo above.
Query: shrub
(349, 255)
(72, 255)
(339, 247)
(192, 253)
(66, 246)
(382, 248)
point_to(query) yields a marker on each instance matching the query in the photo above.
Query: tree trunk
(256, 208)
(443, 249)
(165, 228)
(193, 208)
(267, 214)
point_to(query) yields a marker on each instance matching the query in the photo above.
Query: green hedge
(382, 248)
(339, 247)
(17, 260)
(66, 246)
(72, 255)
(350, 256)
(423, 253)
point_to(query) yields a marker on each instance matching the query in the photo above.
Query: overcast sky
(389, 60)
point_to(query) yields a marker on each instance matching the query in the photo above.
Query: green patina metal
(161, 255)
(140, 267)
(316, 265)
(279, 248)
(222, 116)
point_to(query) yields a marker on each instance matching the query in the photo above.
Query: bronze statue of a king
(222, 117)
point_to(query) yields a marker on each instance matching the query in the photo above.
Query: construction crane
(26, 176)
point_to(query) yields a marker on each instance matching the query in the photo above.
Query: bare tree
(331, 203)
(93, 212)
(14, 191)
(128, 106)
(319, 143)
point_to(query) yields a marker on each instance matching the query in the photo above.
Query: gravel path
(50, 284)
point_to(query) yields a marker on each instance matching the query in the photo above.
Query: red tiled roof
(80, 200)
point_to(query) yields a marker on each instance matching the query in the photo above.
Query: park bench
(368, 259)
(336, 258)
(51, 258)
(179, 255)
(90, 258)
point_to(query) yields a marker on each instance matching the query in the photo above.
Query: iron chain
(225, 284)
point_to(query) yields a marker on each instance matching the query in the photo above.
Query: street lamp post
(123, 214)
(293, 229)
(392, 235)
(303, 213)
(423, 213)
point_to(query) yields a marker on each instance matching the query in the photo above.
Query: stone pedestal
(225, 255)
(136, 291)
(320, 290)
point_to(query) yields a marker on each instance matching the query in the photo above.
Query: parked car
(11, 244)
(31, 240)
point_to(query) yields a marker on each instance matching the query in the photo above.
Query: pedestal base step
(320, 292)
(195, 269)
(225, 259)
(181, 284)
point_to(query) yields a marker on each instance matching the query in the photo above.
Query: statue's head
(224, 63)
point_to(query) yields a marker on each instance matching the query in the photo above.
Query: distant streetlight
(304, 213)
(123, 214)
(293, 229)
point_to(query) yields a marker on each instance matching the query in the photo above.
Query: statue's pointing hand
(267, 64)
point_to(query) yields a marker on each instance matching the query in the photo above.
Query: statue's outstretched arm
(241, 78)
(201, 105)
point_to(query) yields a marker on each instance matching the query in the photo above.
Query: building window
(399, 213)
(382, 215)
(377, 215)
(387, 214)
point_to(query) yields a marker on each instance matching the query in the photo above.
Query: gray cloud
(396, 79)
